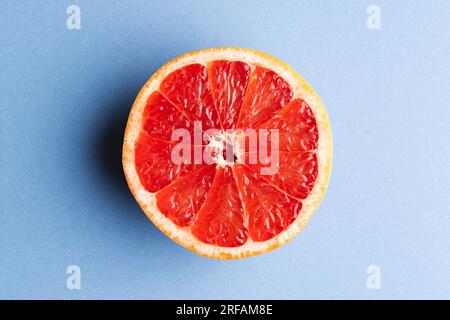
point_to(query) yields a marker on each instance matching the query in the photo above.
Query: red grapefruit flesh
(188, 89)
(270, 211)
(295, 175)
(228, 209)
(297, 127)
(181, 200)
(154, 163)
(267, 92)
(221, 219)
(228, 81)
(161, 118)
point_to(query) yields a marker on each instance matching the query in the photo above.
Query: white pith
(222, 142)
(147, 200)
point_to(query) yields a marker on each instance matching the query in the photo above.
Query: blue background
(65, 97)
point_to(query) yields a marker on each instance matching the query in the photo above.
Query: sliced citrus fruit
(234, 201)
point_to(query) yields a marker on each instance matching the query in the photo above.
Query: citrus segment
(181, 200)
(270, 211)
(221, 220)
(154, 163)
(296, 125)
(295, 174)
(228, 80)
(266, 93)
(188, 89)
(161, 118)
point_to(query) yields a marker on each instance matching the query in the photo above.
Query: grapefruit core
(228, 209)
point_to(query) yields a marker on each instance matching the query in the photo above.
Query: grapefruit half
(228, 209)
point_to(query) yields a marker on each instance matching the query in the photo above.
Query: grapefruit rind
(147, 201)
